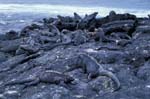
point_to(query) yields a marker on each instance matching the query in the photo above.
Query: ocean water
(67, 7)
(15, 14)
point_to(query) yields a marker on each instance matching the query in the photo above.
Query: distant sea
(15, 14)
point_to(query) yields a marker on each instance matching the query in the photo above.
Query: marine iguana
(77, 18)
(14, 61)
(149, 16)
(12, 45)
(48, 76)
(91, 67)
(86, 21)
(100, 36)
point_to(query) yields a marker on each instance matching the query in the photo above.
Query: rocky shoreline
(77, 58)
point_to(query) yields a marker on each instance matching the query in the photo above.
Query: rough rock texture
(77, 58)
